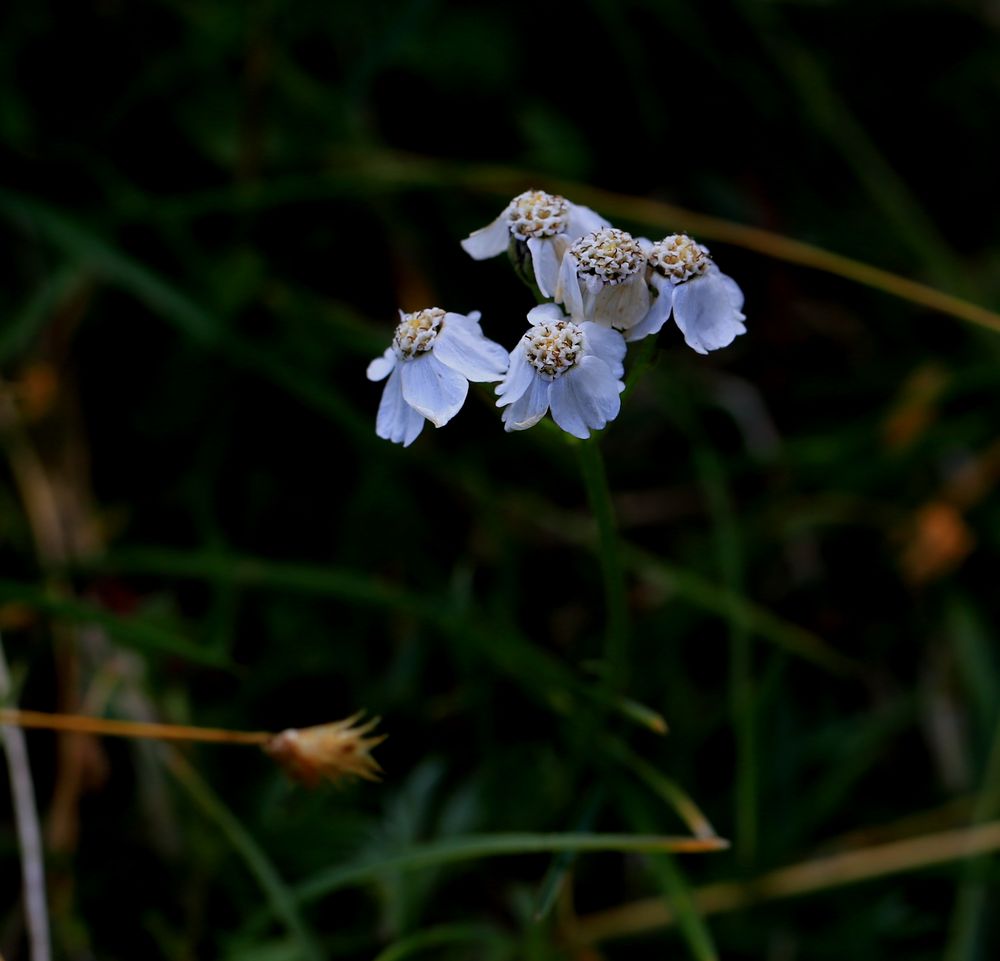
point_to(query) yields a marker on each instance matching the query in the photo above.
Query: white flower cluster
(606, 288)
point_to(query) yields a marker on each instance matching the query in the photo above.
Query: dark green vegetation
(210, 214)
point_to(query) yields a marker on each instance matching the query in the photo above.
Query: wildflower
(432, 358)
(573, 368)
(603, 279)
(707, 305)
(547, 223)
(328, 752)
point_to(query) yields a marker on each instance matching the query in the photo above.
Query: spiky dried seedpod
(327, 752)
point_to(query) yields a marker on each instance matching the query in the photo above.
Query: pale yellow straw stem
(134, 729)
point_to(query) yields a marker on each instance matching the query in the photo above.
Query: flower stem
(595, 480)
(133, 729)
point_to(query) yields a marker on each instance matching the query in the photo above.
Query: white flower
(433, 357)
(548, 224)
(574, 369)
(707, 305)
(603, 279)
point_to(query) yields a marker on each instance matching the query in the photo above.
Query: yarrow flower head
(574, 369)
(707, 305)
(603, 279)
(433, 356)
(546, 223)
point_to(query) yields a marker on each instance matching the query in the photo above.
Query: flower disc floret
(417, 332)
(679, 257)
(552, 349)
(537, 214)
(609, 254)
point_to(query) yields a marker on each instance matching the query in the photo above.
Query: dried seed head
(609, 254)
(537, 214)
(554, 348)
(416, 332)
(679, 258)
(328, 752)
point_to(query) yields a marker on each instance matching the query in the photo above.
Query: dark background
(211, 213)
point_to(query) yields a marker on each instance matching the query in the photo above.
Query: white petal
(607, 344)
(462, 346)
(735, 294)
(568, 290)
(583, 220)
(381, 367)
(546, 256)
(519, 375)
(545, 314)
(622, 305)
(704, 312)
(585, 397)
(530, 407)
(397, 421)
(488, 241)
(659, 310)
(438, 392)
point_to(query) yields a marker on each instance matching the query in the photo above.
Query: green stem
(741, 677)
(972, 903)
(595, 480)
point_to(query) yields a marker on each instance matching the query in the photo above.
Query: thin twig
(29, 834)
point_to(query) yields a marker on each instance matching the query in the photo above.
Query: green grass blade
(479, 846)
(666, 789)
(282, 901)
(676, 890)
(437, 937)
(170, 303)
(555, 876)
(731, 607)
(130, 631)
(19, 330)
(536, 669)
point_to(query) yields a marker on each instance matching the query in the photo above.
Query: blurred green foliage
(202, 256)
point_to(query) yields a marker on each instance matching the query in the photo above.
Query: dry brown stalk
(835, 870)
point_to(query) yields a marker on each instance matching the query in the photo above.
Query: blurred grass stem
(29, 834)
